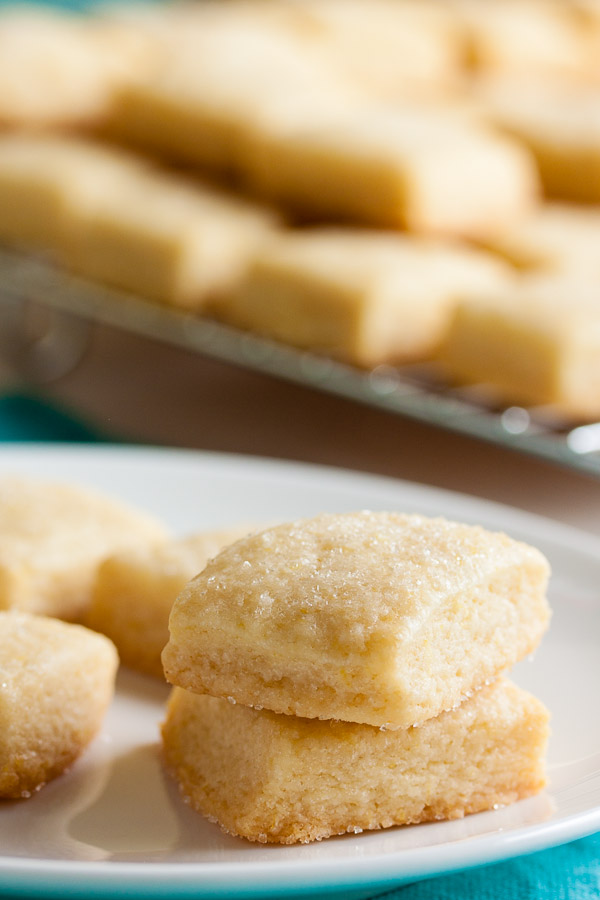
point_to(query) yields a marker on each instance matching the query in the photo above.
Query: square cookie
(135, 590)
(56, 681)
(524, 38)
(389, 49)
(363, 297)
(206, 102)
(52, 539)
(282, 779)
(556, 237)
(559, 124)
(167, 238)
(47, 181)
(408, 167)
(370, 617)
(60, 69)
(537, 344)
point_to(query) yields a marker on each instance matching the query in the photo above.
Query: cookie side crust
(281, 779)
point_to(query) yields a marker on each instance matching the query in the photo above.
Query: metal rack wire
(413, 391)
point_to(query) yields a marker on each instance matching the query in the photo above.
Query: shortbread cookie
(135, 590)
(538, 344)
(379, 618)
(555, 237)
(560, 124)
(113, 217)
(56, 681)
(523, 37)
(52, 539)
(204, 105)
(386, 47)
(283, 779)
(412, 168)
(48, 181)
(364, 297)
(283, 32)
(587, 13)
(60, 69)
(167, 238)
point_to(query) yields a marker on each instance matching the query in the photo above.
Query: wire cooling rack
(414, 391)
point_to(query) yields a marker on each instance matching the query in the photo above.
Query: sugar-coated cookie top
(351, 582)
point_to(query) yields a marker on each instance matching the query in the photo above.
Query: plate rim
(52, 877)
(557, 532)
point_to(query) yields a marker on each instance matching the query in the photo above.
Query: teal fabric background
(24, 417)
(570, 872)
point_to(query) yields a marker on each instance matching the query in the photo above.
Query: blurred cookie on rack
(556, 237)
(46, 180)
(207, 100)
(364, 297)
(417, 168)
(389, 49)
(58, 69)
(114, 217)
(559, 123)
(536, 344)
(523, 38)
(168, 238)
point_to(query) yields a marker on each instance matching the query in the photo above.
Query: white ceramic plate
(115, 827)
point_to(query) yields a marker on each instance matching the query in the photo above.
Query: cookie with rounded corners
(283, 779)
(371, 617)
(56, 683)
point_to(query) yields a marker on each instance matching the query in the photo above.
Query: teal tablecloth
(570, 872)
(27, 418)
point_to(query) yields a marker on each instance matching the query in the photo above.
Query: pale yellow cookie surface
(406, 167)
(113, 217)
(390, 49)
(47, 182)
(524, 38)
(135, 590)
(364, 297)
(282, 779)
(53, 537)
(55, 685)
(380, 618)
(555, 237)
(62, 69)
(560, 124)
(169, 239)
(537, 344)
(210, 99)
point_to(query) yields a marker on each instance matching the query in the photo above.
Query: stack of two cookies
(355, 664)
